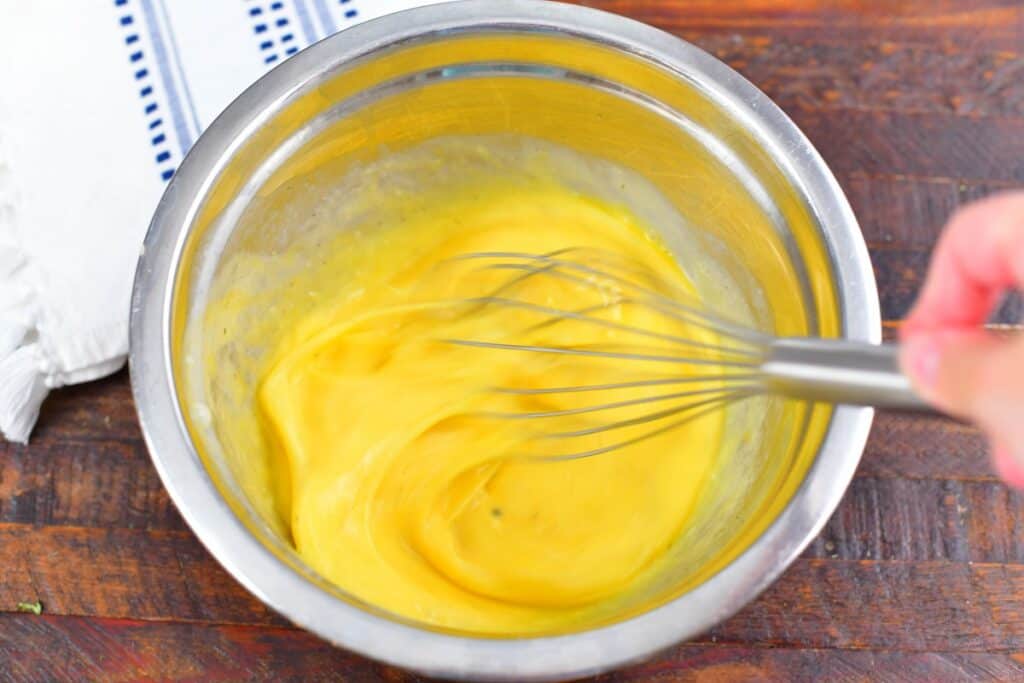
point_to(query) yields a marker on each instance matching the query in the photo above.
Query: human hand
(953, 363)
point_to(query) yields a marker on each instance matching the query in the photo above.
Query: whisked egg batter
(404, 493)
(385, 455)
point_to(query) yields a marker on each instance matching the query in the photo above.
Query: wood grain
(96, 483)
(121, 573)
(921, 606)
(723, 663)
(905, 212)
(931, 78)
(882, 143)
(163, 574)
(924, 447)
(818, 603)
(915, 520)
(52, 648)
(994, 23)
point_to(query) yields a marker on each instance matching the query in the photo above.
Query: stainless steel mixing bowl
(733, 165)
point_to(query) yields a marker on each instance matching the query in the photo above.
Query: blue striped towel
(99, 102)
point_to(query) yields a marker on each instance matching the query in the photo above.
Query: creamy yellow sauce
(400, 483)
(346, 255)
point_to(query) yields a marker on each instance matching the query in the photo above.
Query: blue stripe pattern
(157, 67)
(276, 37)
(275, 32)
(324, 14)
(154, 71)
(305, 21)
(141, 74)
(163, 63)
(260, 28)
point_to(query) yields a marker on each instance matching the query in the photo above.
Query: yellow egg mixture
(398, 479)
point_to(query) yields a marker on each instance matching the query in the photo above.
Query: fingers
(961, 371)
(978, 258)
(979, 377)
(953, 363)
(1009, 468)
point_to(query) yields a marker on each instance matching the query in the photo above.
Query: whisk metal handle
(840, 371)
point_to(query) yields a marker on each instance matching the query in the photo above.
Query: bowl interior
(316, 164)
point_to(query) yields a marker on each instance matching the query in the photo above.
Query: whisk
(733, 363)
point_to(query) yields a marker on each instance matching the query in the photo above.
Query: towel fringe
(22, 390)
(23, 384)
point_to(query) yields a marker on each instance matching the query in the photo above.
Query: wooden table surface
(917, 106)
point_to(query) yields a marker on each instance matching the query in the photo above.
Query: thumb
(976, 376)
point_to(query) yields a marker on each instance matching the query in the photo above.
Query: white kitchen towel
(99, 102)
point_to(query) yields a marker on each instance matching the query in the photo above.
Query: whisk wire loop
(727, 361)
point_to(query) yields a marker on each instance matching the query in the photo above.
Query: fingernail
(1008, 468)
(921, 355)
